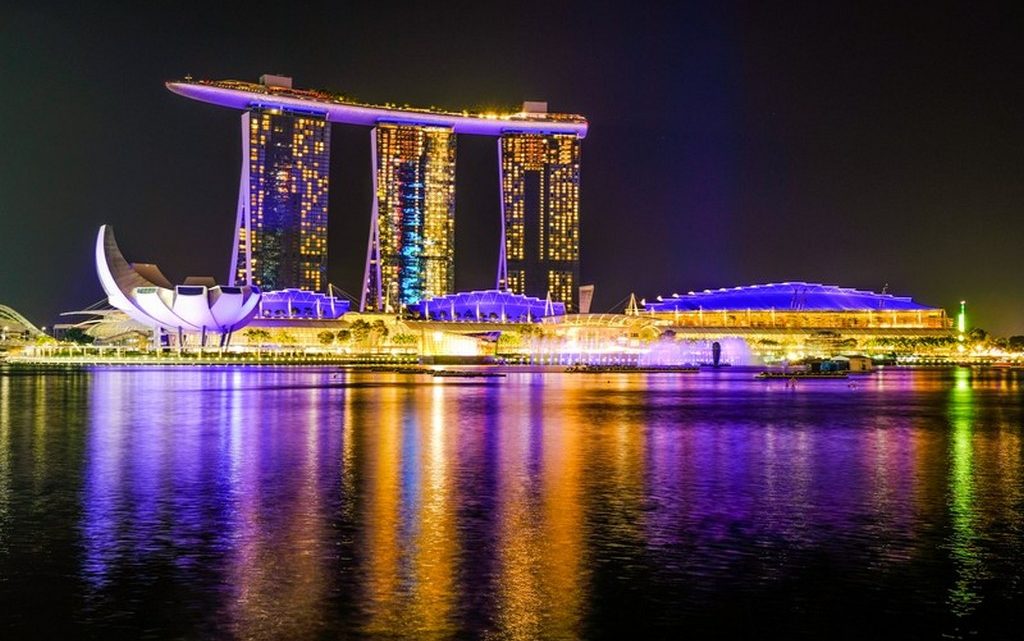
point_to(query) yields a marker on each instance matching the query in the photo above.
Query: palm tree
(257, 336)
(379, 331)
(360, 330)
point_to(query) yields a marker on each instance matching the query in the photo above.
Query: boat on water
(452, 373)
(802, 375)
(411, 369)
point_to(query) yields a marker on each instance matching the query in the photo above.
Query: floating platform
(626, 369)
(801, 375)
(460, 374)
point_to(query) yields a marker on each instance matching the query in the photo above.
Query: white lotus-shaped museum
(198, 305)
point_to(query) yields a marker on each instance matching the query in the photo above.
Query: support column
(242, 217)
(502, 279)
(372, 274)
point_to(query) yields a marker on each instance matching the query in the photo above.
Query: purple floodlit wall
(299, 303)
(795, 296)
(369, 116)
(487, 305)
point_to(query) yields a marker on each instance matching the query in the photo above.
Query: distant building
(540, 183)
(16, 328)
(291, 304)
(412, 231)
(281, 227)
(796, 306)
(487, 306)
(854, 362)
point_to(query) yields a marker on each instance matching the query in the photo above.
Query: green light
(965, 539)
(961, 319)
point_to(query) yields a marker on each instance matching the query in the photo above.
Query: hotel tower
(281, 225)
(411, 252)
(281, 234)
(540, 198)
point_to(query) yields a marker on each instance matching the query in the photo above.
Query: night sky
(729, 143)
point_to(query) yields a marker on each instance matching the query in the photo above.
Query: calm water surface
(259, 504)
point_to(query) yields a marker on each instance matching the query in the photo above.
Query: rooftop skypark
(278, 92)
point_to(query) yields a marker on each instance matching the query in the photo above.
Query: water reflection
(302, 504)
(970, 569)
(5, 462)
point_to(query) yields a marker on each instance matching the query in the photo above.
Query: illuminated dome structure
(487, 305)
(785, 296)
(292, 303)
(794, 305)
(198, 305)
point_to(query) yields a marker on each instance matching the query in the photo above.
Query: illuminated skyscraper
(411, 253)
(281, 229)
(281, 239)
(540, 190)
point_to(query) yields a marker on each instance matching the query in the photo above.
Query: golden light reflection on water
(388, 505)
(5, 457)
(433, 544)
(348, 471)
(520, 602)
(562, 525)
(540, 520)
(381, 437)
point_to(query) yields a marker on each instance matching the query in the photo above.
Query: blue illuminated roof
(487, 305)
(300, 303)
(795, 296)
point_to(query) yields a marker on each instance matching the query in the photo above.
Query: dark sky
(729, 143)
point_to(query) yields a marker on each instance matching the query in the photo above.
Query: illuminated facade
(291, 304)
(282, 214)
(796, 306)
(281, 229)
(197, 307)
(495, 306)
(411, 252)
(540, 193)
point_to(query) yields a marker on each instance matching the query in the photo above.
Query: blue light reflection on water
(262, 504)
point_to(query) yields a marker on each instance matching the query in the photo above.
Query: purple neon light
(370, 116)
(798, 296)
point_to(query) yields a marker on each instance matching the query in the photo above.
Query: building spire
(632, 308)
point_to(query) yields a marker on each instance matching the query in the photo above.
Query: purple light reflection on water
(299, 503)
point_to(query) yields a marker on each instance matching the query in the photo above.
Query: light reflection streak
(434, 545)
(279, 573)
(380, 437)
(964, 595)
(519, 602)
(348, 471)
(5, 460)
(39, 447)
(541, 560)
(563, 557)
(104, 478)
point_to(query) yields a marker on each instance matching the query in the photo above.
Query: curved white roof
(10, 318)
(179, 308)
